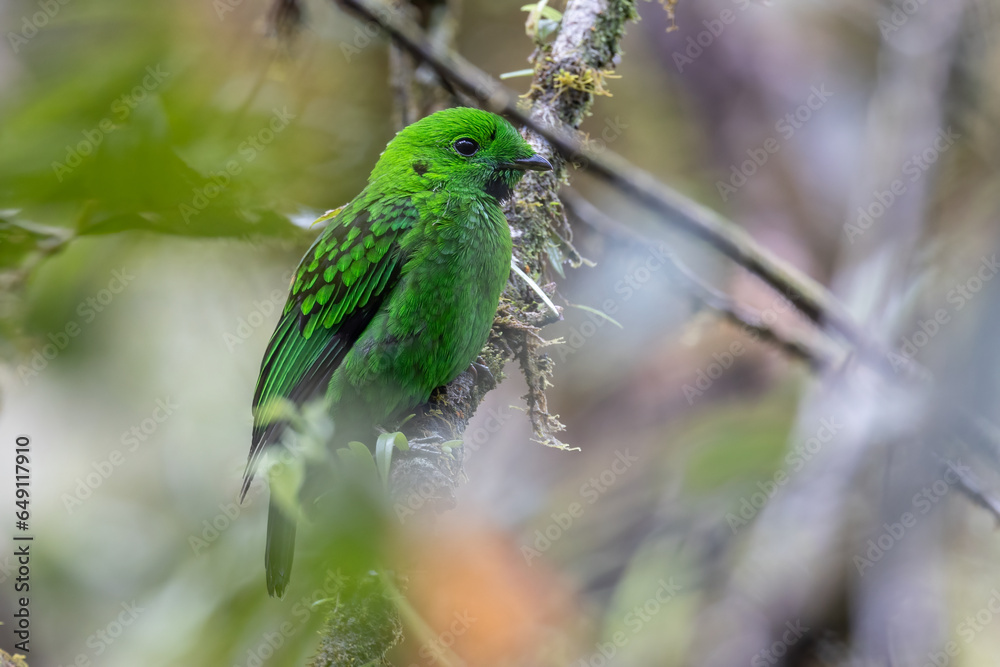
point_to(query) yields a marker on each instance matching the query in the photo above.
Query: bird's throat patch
(499, 186)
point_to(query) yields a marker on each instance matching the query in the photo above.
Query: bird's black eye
(466, 147)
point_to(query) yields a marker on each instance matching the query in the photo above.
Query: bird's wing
(338, 287)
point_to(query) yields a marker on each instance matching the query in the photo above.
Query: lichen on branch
(569, 72)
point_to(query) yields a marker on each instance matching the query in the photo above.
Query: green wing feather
(339, 286)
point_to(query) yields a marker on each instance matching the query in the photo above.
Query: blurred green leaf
(387, 442)
(738, 443)
(599, 313)
(16, 242)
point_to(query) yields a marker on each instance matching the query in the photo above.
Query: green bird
(397, 295)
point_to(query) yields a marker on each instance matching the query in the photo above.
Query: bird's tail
(279, 549)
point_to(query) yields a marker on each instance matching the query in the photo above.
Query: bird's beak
(535, 163)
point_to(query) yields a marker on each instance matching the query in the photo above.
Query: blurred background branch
(812, 299)
(809, 350)
(676, 209)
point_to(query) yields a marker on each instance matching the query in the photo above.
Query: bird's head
(460, 149)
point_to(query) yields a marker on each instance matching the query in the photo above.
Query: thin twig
(813, 300)
(808, 296)
(973, 489)
(749, 319)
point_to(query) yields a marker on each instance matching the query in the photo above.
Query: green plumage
(397, 295)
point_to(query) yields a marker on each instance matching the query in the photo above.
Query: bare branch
(972, 487)
(814, 301)
(809, 351)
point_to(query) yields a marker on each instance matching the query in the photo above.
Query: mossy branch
(586, 47)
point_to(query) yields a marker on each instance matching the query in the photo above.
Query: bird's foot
(477, 367)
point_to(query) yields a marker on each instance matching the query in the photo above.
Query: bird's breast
(437, 318)
(450, 295)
